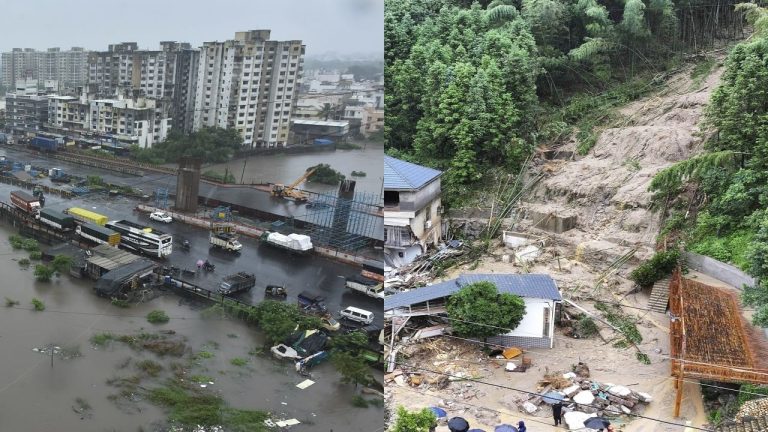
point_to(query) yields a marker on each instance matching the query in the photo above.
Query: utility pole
(243, 174)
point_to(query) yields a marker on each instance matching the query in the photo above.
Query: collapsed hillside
(607, 189)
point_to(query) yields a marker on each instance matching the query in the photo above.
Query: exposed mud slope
(608, 188)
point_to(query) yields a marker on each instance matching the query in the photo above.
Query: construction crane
(290, 191)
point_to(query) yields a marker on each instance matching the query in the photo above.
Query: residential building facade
(250, 84)
(67, 67)
(128, 121)
(25, 112)
(412, 208)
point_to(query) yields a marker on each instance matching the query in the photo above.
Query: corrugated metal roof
(524, 285)
(399, 174)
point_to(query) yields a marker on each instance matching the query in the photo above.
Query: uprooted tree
(478, 310)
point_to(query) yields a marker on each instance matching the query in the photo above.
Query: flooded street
(286, 168)
(36, 396)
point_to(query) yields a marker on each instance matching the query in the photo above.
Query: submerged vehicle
(275, 291)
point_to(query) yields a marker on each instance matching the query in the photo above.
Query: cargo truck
(57, 219)
(226, 241)
(45, 144)
(296, 243)
(237, 283)
(369, 287)
(26, 202)
(88, 216)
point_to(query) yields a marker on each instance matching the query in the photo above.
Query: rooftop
(321, 123)
(524, 285)
(402, 175)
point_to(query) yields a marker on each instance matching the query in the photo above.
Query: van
(359, 315)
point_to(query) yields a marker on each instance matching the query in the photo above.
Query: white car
(161, 217)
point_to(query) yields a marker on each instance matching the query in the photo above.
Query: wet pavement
(271, 266)
(366, 225)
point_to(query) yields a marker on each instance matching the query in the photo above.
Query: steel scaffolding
(345, 224)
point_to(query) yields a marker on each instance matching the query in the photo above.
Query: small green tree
(278, 320)
(43, 273)
(351, 342)
(157, 317)
(478, 310)
(61, 263)
(418, 421)
(352, 367)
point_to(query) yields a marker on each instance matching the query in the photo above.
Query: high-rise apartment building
(66, 67)
(249, 83)
(168, 74)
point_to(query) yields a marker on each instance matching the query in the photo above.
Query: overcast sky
(342, 26)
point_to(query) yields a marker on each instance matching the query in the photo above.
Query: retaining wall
(719, 270)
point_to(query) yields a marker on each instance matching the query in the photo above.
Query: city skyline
(346, 27)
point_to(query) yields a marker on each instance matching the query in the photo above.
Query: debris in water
(304, 384)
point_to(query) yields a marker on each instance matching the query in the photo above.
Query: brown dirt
(607, 191)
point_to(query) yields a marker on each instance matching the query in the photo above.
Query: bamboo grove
(473, 85)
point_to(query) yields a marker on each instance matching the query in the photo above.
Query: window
(545, 333)
(428, 213)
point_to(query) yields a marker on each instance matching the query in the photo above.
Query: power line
(537, 394)
(731, 368)
(509, 413)
(535, 353)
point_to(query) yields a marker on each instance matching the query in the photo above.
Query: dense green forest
(718, 202)
(477, 85)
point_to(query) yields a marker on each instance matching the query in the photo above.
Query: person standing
(557, 413)
(521, 426)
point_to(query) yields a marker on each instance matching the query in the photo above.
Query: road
(271, 266)
(367, 225)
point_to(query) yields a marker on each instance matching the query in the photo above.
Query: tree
(326, 111)
(350, 342)
(478, 310)
(43, 273)
(61, 263)
(418, 421)
(352, 367)
(278, 320)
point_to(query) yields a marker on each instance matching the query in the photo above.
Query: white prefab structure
(538, 291)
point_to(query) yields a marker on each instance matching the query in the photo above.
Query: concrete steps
(660, 295)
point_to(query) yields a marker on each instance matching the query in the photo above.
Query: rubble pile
(753, 408)
(588, 396)
(423, 269)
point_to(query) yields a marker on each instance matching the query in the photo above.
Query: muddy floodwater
(37, 397)
(286, 168)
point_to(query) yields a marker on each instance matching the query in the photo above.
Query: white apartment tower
(66, 67)
(249, 83)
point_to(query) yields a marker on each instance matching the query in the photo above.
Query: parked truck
(369, 287)
(26, 202)
(45, 144)
(311, 303)
(57, 219)
(88, 216)
(237, 283)
(226, 241)
(58, 176)
(296, 243)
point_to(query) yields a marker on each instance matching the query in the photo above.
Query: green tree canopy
(278, 320)
(418, 421)
(478, 310)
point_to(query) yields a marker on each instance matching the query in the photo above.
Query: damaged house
(412, 209)
(538, 291)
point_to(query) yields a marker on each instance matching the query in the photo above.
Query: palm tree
(326, 111)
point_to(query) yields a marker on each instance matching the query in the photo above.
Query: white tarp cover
(301, 242)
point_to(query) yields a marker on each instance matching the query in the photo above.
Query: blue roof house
(538, 291)
(412, 209)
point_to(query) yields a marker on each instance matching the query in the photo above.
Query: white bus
(143, 239)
